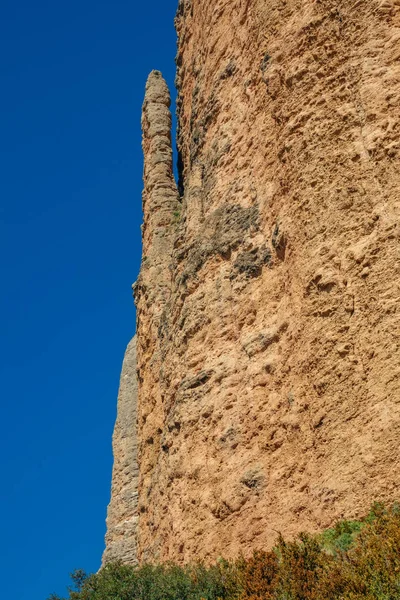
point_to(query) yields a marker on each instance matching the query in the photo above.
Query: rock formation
(268, 335)
(122, 514)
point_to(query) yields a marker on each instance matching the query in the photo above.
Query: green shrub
(341, 537)
(156, 582)
(352, 561)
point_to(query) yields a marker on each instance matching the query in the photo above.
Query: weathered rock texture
(268, 298)
(122, 517)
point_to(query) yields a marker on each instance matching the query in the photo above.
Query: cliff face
(267, 302)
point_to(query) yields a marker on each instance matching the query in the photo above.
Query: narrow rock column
(160, 195)
(161, 213)
(121, 537)
(161, 208)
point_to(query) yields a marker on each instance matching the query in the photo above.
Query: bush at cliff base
(354, 560)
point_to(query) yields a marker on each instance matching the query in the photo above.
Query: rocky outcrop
(160, 203)
(161, 208)
(267, 302)
(122, 515)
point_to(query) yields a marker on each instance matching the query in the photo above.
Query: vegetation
(355, 560)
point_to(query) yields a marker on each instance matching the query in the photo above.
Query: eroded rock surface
(268, 299)
(122, 515)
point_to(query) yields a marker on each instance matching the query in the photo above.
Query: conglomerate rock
(122, 517)
(268, 299)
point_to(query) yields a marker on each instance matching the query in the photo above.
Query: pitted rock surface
(268, 300)
(122, 515)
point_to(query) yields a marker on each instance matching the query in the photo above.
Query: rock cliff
(268, 334)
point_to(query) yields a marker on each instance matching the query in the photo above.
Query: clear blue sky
(72, 81)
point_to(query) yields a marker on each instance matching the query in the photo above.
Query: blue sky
(72, 79)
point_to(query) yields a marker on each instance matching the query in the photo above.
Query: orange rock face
(268, 333)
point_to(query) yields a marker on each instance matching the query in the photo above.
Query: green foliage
(341, 537)
(300, 567)
(78, 578)
(371, 567)
(154, 582)
(177, 214)
(354, 560)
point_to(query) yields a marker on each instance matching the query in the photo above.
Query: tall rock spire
(153, 289)
(160, 195)
(160, 202)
